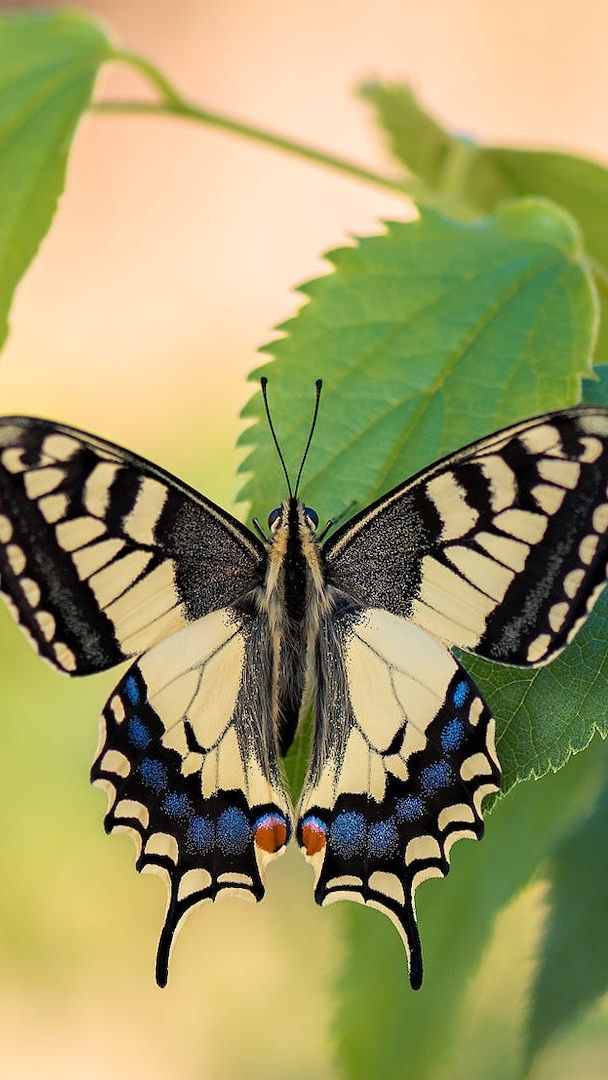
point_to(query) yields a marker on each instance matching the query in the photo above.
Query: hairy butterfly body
(500, 549)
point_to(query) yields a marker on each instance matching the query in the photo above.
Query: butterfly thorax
(295, 599)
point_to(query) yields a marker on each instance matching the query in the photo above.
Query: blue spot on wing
(176, 805)
(436, 775)
(268, 820)
(348, 834)
(461, 693)
(452, 734)
(131, 690)
(314, 822)
(233, 831)
(200, 836)
(153, 773)
(409, 808)
(138, 733)
(382, 838)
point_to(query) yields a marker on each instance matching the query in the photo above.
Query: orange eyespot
(313, 835)
(271, 833)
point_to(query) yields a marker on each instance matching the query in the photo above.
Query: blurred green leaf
(573, 968)
(595, 391)
(383, 1028)
(476, 179)
(416, 139)
(48, 65)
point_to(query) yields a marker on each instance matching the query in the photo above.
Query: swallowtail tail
(499, 549)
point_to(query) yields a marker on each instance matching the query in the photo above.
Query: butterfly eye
(312, 517)
(274, 518)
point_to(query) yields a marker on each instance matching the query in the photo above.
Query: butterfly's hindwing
(403, 758)
(188, 758)
(500, 548)
(101, 553)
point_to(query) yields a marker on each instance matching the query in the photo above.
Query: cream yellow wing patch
(403, 758)
(188, 757)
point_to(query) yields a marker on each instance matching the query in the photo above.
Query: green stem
(600, 272)
(174, 104)
(459, 162)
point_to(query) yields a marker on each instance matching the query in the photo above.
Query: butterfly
(499, 548)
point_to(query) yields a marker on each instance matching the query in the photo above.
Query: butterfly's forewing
(102, 554)
(500, 548)
(188, 757)
(403, 757)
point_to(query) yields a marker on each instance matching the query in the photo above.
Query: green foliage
(595, 392)
(473, 179)
(386, 1030)
(487, 308)
(573, 970)
(48, 65)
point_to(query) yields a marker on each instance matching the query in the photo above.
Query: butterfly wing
(102, 554)
(500, 548)
(188, 758)
(403, 757)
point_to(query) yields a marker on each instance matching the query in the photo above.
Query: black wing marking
(189, 760)
(500, 548)
(403, 758)
(102, 554)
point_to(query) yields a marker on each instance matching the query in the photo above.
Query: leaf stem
(173, 103)
(600, 272)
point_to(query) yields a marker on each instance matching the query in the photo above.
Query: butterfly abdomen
(293, 598)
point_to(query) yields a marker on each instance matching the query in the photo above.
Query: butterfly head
(295, 576)
(295, 509)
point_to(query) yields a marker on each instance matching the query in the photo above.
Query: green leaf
(48, 65)
(476, 179)
(427, 337)
(578, 184)
(595, 391)
(415, 138)
(384, 1029)
(575, 940)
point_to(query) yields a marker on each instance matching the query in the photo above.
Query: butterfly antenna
(313, 424)
(264, 384)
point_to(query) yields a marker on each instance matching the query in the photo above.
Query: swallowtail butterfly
(499, 549)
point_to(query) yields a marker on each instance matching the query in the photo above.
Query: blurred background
(175, 250)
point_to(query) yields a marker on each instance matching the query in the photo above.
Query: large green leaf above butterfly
(427, 337)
